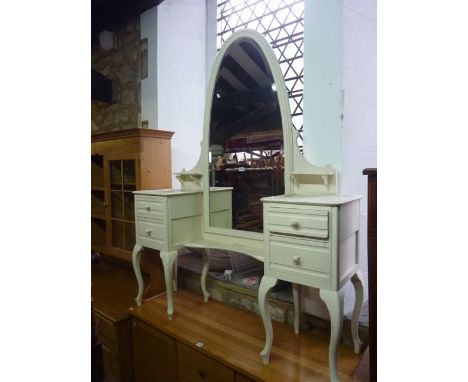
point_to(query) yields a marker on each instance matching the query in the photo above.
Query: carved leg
(297, 298)
(168, 259)
(357, 281)
(334, 302)
(263, 292)
(206, 265)
(136, 258)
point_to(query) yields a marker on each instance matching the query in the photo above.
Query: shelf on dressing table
(256, 253)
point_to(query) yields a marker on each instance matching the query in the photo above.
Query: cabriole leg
(206, 266)
(297, 298)
(263, 293)
(334, 302)
(358, 283)
(175, 275)
(136, 259)
(168, 259)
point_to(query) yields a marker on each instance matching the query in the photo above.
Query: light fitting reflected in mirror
(246, 140)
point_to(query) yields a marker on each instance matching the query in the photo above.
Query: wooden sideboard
(218, 343)
(141, 345)
(113, 287)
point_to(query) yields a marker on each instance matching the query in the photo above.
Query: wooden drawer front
(303, 254)
(196, 367)
(242, 378)
(150, 209)
(150, 232)
(306, 222)
(105, 328)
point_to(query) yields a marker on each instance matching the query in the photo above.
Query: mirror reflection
(246, 140)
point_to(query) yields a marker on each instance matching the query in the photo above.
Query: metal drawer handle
(294, 223)
(296, 259)
(148, 231)
(148, 208)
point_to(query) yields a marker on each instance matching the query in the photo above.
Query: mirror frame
(286, 121)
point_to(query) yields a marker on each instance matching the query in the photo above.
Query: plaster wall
(340, 105)
(182, 68)
(359, 130)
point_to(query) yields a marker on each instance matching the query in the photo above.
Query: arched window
(282, 24)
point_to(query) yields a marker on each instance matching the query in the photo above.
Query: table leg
(334, 302)
(175, 275)
(168, 259)
(297, 289)
(206, 266)
(357, 281)
(263, 292)
(136, 259)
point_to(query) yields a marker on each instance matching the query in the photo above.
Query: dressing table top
(316, 200)
(174, 192)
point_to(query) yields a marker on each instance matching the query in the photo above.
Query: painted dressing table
(308, 235)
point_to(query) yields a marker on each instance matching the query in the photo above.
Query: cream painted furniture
(310, 234)
(166, 220)
(313, 241)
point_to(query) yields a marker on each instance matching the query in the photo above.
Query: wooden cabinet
(113, 294)
(123, 162)
(154, 354)
(115, 338)
(213, 342)
(372, 267)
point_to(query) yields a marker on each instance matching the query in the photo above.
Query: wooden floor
(235, 337)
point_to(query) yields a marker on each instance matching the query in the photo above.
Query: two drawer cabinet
(311, 240)
(165, 219)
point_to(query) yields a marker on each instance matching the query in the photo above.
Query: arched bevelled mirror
(246, 144)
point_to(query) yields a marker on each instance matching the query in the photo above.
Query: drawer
(105, 328)
(150, 209)
(193, 366)
(302, 254)
(304, 221)
(150, 231)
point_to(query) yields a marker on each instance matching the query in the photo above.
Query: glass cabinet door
(122, 176)
(98, 213)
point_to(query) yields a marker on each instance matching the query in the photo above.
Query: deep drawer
(150, 230)
(302, 254)
(150, 209)
(305, 222)
(196, 367)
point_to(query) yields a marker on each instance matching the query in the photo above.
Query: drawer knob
(148, 208)
(202, 373)
(294, 223)
(296, 259)
(148, 231)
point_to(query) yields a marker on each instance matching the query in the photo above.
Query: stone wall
(122, 65)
